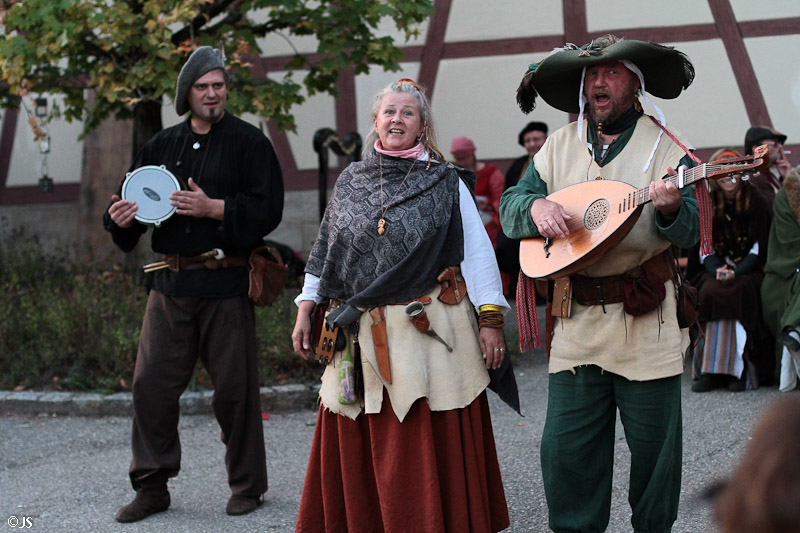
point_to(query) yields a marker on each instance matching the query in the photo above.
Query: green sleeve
(515, 205)
(684, 230)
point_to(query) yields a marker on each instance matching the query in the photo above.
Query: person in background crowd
(763, 493)
(768, 182)
(602, 357)
(736, 350)
(531, 138)
(488, 188)
(780, 291)
(199, 306)
(403, 440)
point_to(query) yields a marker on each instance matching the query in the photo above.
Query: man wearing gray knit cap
(230, 197)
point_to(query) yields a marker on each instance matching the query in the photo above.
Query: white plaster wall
(711, 111)
(286, 43)
(602, 15)
(777, 68)
(479, 20)
(318, 111)
(386, 26)
(765, 9)
(476, 98)
(63, 160)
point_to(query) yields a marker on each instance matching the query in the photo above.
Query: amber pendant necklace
(382, 221)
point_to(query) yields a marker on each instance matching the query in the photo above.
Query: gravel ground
(65, 473)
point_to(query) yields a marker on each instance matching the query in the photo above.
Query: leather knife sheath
(381, 342)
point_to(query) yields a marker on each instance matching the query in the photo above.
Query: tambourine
(150, 187)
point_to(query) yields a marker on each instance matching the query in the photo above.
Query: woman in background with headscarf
(737, 348)
(488, 187)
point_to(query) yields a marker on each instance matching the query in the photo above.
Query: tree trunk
(146, 123)
(108, 152)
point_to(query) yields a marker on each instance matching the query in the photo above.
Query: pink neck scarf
(416, 152)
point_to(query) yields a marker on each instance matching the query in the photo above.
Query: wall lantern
(40, 109)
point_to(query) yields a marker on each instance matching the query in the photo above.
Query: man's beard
(618, 107)
(213, 114)
(609, 116)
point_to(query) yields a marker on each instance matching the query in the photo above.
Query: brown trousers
(175, 332)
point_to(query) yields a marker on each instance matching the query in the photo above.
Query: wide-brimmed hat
(202, 61)
(557, 77)
(756, 134)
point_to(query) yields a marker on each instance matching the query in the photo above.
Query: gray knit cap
(202, 61)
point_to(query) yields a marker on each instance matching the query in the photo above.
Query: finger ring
(498, 349)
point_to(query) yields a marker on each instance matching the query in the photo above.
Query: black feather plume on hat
(526, 92)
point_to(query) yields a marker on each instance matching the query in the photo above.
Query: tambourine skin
(150, 187)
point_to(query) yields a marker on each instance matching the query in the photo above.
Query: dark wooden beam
(434, 46)
(7, 147)
(575, 26)
(746, 79)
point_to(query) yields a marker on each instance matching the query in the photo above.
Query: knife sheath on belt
(381, 342)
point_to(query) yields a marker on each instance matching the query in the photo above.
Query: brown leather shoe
(146, 503)
(238, 505)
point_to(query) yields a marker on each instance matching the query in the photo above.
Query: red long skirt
(434, 472)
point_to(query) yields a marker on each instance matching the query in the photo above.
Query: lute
(604, 211)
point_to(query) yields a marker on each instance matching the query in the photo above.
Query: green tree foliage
(66, 326)
(129, 52)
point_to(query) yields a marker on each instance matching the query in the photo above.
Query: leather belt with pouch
(211, 260)
(641, 289)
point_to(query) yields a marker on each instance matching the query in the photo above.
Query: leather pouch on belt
(381, 342)
(562, 298)
(453, 287)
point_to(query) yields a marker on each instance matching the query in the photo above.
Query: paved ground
(68, 473)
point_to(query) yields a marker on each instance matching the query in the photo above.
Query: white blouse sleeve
(309, 292)
(479, 266)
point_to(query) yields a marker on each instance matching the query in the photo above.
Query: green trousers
(577, 450)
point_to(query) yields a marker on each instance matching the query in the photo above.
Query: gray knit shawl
(423, 231)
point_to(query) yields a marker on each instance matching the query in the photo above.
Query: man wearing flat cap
(531, 138)
(614, 340)
(231, 197)
(768, 181)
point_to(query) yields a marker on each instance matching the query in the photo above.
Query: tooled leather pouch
(642, 291)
